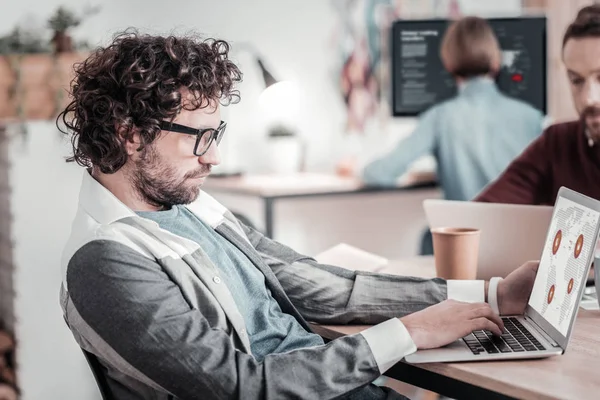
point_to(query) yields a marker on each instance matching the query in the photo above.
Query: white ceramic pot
(284, 154)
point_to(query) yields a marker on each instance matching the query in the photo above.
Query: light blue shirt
(473, 136)
(270, 330)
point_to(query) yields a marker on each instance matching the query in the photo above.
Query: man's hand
(448, 321)
(514, 290)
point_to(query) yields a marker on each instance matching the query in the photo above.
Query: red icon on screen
(516, 77)
(556, 242)
(578, 246)
(570, 286)
(550, 294)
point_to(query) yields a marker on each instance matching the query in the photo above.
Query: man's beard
(158, 184)
(591, 120)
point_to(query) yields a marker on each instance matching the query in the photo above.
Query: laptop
(510, 234)
(545, 328)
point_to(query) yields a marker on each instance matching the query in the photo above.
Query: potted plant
(22, 41)
(60, 23)
(8, 383)
(281, 131)
(286, 149)
(34, 76)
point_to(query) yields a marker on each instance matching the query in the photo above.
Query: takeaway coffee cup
(456, 251)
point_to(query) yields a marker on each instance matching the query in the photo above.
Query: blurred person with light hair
(474, 135)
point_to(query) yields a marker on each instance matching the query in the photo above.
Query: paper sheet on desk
(589, 304)
(350, 257)
(355, 259)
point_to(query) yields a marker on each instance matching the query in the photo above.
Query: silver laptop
(545, 328)
(510, 234)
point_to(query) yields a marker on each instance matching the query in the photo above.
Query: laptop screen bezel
(530, 312)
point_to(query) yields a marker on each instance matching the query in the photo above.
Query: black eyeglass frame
(216, 134)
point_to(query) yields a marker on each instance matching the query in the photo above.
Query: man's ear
(495, 65)
(131, 139)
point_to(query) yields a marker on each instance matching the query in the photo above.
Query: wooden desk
(313, 212)
(573, 375)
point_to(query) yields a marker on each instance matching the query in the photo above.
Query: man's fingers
(494, 328)
(486, 324)
(534, 265)
(486, 311)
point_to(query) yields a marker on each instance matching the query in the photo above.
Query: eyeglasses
(204, 137)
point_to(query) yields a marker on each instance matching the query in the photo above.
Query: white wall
(293, 36)
(45, 191)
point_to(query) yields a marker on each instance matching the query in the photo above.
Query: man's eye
(576, 81)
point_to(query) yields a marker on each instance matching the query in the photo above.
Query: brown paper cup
(456, 251)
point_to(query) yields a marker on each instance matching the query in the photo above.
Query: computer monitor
(420, 81)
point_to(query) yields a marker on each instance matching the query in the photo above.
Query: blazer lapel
(209, 276)
(270, 279)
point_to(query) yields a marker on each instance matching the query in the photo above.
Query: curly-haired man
(175, 297)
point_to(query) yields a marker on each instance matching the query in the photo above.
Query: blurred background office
(319, 87)
(474, 135)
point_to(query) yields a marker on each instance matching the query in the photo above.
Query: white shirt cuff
(466, 291)
(390, 342)
(493, 294)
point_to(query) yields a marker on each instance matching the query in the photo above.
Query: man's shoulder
(108, 254)
(563, 131)
(83, 229)
(98, 249)
(560, 135)
(90, 239)
(515, 106)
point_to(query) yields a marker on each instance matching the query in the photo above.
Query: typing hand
(514, 290)
(448, 321)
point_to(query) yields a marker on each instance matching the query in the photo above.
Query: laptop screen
(571, 239)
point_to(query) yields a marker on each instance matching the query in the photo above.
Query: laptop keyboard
(516, 338)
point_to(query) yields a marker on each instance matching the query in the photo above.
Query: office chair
(426, 243)
(98, 371)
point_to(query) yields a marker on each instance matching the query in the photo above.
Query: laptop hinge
(539, 330)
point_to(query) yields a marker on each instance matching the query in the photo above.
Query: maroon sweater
(561, 156)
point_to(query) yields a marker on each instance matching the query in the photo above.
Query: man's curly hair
(133, 84)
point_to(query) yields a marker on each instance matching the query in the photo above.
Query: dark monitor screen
(419, 79)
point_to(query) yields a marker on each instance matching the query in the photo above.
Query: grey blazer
(153, 308)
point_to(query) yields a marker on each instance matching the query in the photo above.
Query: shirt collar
(209, 210)
(590, 140)
(100, 203)
(476, 84)
(103, 206)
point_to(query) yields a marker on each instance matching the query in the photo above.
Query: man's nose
(592, 96)
(212, 155)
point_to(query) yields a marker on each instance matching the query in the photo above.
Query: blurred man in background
(566, 154)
